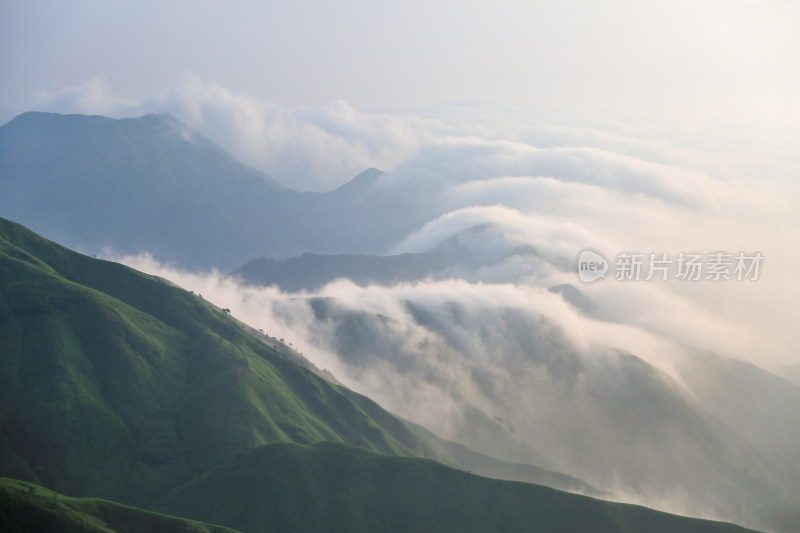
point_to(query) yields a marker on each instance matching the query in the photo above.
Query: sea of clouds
(540, 178)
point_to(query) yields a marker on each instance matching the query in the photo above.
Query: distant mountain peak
(169, 125)
(163, 126)
(361, 183)
(134, 177)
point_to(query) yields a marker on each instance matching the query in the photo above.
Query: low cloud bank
(493, 347)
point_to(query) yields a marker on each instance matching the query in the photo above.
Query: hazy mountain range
(479, 365)
(160, 187)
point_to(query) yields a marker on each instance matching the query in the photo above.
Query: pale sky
(731, 60)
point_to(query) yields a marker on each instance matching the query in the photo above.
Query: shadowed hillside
(329, 487)
(29, 507)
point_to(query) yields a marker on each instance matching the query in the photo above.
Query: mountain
(461, 256)
(331, 487)
(29, 507)
(119, 385)
(512, 386)
(575, 298)
(361, 185)
(152, 184)
(312, 271)
(133, 185)
(488, 466)
(167, 384)
(759, 407)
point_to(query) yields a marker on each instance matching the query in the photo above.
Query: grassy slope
(331, 487)
(117, 384)
(29, 507)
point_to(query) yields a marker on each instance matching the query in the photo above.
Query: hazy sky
(736, 60)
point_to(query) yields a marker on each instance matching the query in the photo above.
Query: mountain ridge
(120, 385)
(29, 507)
(348, 489)
(163, 384)
(159, 187)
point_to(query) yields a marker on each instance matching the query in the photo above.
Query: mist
(620, 128)
(513, 371)
(485, 354)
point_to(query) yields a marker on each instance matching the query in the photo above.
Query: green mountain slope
(29, 507)
(330, 487)
(120, 385)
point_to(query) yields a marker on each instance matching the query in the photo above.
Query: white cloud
(305, 148)
(94, 97)
(497, 339)
(472, 165)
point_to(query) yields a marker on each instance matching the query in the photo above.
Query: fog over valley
(457, 323)
(419, 266)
